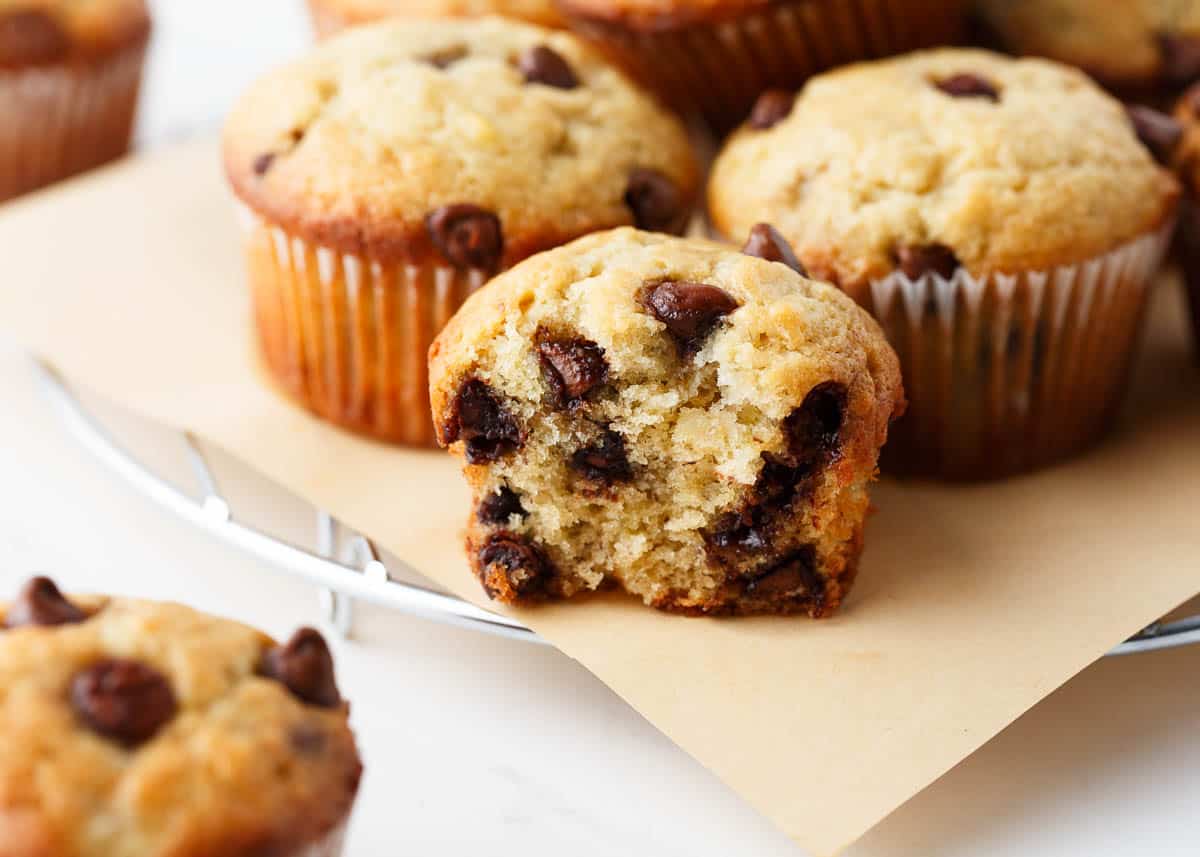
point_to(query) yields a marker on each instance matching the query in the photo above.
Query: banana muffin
(1133, 45)
(713, 57)
(396, 168)
(695, 425)
(140, 729)
(332, 16)
(1000, 217)
(70, 71)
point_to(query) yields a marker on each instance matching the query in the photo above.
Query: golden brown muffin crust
(357, 145)
(355, 12)
(241, 768)
(40, 32)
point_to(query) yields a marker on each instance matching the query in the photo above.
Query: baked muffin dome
(357, 145)
(690, 423)
(148, 729)
(1124, 43)
(330, 16)
(1010, 164)
(35, 32)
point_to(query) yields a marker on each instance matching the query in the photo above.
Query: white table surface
(476, 743)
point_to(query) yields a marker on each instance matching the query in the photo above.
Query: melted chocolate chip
(31, 37)
(467, 236)
(40, 603)
(1180, 58)
(689, 310)
(500, 506)
(778, 483)
(605, 462)
(544, 65)
(511, 566)
(124, 700)
(1158, 132)
(443, 58)
(771, 108)
(813, 430)
(795, 575)
(654, 200)
(572, 368)
(263, 163)
(765, 242)
(479, 419)
(917, 260)
(305, 667)
(968, 85)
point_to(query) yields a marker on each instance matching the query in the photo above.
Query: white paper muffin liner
(1006, 373)
(59, 120)
(348, 336)
(717, 69)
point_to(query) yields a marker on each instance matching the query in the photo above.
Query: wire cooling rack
(344, 564)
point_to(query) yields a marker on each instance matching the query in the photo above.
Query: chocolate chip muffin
(391, 172)
(138, 728)
(69, 77)
(713, 57)
(1000, 217)
(332, 16)
(692, 424)
(1133, 45)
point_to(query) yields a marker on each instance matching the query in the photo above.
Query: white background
(480, 746)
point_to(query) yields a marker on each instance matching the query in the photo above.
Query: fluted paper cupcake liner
(1006, 373)
(717, 69)
(1188, 252)
(59, 120)
(348, 336)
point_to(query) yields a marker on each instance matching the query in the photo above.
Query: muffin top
(649, 304)
(481, 141)
(362, 11)
(1122, 42)
(940, 159)
(36, 32)
(140, 729)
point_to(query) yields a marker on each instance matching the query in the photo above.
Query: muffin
(1001, 219)
(394, 170)
(138, 728)
(714, 57)
(1187, 164)
(694, 425)
(1131, 45)
(69, 77)
(332, 16)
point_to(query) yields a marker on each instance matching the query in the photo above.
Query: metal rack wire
(345, 565)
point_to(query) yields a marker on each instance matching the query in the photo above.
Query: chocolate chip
(795, 575)
(572, 368)
(605, 462)
(40, 603)
(127, 701)
(771, 108)
(1158, 132)
(499, 506)
(778, 483)
(654, 200)
(765, 242)
(544, 65)
(32, 37)
(443, 58)
(917, 260)
(263, 163)
(467, 236)
(813, 430)
(689, 310)
(305, 667)
(968, 85)
(1180, 58)
(510, 566)
(479, 419)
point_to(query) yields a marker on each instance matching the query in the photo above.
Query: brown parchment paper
(973, 602)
